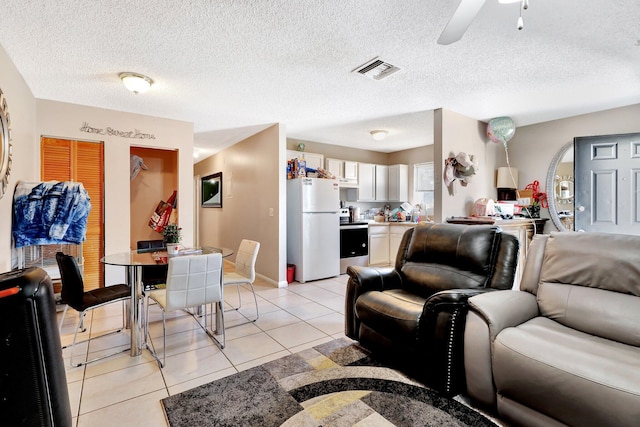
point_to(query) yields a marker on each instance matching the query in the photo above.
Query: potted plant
(172, 236)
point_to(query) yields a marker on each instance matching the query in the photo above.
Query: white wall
(21, 106)
(63, 120)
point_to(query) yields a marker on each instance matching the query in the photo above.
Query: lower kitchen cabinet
(384, 242)
(379, 244)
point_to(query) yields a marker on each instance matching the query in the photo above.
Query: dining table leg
(134, 280)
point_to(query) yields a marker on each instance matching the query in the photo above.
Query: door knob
(581, 208)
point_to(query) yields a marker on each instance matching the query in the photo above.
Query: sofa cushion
(589, 282)
(442, 254)
(571, 376)
(594, 260)
(395, 313)
(607, 314)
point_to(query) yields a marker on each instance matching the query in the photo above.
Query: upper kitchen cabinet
(345, 171)
(313, 160)
(351, 171)
(398, 183)
(366, 182)
(335, 166)
(382, 183)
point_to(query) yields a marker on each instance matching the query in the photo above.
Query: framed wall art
(211, 195)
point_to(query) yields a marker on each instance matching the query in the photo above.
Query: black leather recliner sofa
(415, 312)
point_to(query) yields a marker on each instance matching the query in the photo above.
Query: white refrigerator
(313, 228)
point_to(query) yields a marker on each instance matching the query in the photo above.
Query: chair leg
(209, 330)
(147, 338)
(75, 336)
(255, 300)
(81, 327)
(164, 340)
(64, 313)
(239, 300)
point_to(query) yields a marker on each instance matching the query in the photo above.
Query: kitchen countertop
(394, 223)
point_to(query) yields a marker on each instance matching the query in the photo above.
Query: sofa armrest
(441, 331)
(504, 309)
(361, 280)
(489, 314)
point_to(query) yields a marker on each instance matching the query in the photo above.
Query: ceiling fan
(466, 13)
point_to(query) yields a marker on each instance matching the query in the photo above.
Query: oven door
(354, 241)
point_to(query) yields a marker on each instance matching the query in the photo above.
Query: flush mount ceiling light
(136, 83)
(379, 135)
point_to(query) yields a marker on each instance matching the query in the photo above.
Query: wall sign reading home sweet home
(135, 134)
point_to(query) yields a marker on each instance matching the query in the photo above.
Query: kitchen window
(423, 184)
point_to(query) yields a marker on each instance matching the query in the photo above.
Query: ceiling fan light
(379, 134)
(136, 83)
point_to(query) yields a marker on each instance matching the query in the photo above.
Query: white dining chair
(245, 271)
(193, 281)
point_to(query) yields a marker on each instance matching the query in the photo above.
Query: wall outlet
(271, 212)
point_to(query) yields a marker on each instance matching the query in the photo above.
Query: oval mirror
(560, 188)
(5, 145)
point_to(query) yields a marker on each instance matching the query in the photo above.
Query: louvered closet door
(81, 161)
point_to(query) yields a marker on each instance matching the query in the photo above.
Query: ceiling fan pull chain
(523, 5)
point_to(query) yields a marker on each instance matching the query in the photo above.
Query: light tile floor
(126, 391)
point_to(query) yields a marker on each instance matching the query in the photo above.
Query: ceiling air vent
(376, 69)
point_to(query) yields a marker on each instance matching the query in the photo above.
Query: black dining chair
(74, 296)
(153, 276)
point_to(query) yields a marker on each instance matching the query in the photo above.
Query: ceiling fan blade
(460, 21)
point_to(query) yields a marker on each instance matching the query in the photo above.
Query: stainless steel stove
(354, 244)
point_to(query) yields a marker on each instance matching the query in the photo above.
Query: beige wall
(21, 106)
(455, 133)
(253, 185)
(533, 147)
(339, 152)
(65, 120)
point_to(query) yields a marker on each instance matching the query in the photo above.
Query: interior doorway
(607, 182)
(156, 180)
(81, 161)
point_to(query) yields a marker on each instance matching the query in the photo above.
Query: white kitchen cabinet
(398, 183)
(366, 182)
(396, 232)
(351, 171)
(314, 160)
(379, 244)
(382, 183)
(335, 166)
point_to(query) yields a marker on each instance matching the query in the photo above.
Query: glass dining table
(134, 261)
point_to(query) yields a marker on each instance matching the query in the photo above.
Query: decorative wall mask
(461, 167)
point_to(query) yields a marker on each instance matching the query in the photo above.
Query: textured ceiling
(232, 66)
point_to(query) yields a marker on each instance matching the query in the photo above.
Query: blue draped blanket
(48, 213)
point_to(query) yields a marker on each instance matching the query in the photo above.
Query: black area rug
(333, 384)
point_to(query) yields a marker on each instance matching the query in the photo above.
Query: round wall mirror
(5, 145)
(560, 188)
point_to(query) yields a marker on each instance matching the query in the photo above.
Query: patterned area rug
(333, 384)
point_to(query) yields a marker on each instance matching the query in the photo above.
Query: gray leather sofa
(565, 349)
